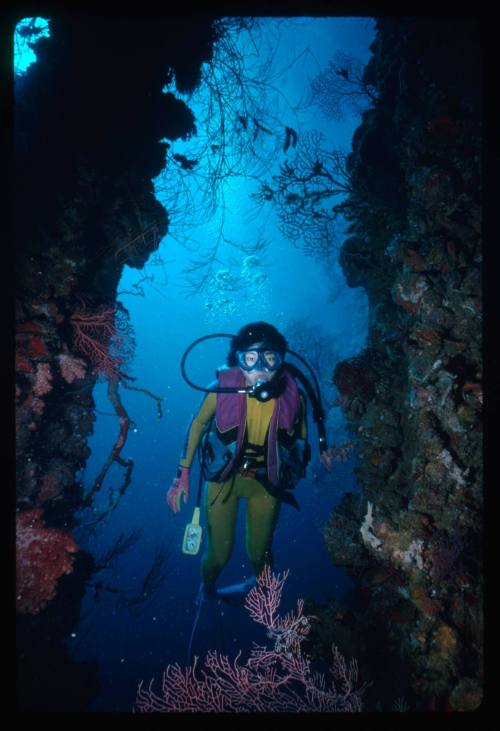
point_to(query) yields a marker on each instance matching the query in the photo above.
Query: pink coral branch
(264, 599)
(277, 679)
(104, 339)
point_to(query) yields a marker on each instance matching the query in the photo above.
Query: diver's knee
(221, 558)
(259, 560)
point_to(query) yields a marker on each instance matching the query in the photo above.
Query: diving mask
(261, 359)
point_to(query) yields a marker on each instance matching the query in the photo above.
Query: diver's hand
(179, 486)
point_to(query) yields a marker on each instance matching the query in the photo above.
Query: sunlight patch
(28, 31)
(229, 290)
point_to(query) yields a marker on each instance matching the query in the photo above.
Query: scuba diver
(252, 440)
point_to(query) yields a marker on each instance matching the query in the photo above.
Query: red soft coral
(43, 555)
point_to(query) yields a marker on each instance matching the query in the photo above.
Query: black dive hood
(264, 391)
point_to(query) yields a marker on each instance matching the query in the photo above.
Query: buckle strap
(255, 449)
(248, 462)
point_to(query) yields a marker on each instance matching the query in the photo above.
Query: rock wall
(413, 537)
(88, 120)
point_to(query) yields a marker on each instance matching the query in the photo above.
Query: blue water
(296, 293)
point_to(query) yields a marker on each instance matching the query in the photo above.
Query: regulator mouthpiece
(261, 390)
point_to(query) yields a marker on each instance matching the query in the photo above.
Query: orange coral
(446, 639)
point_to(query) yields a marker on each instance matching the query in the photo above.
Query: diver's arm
(198, 425)
(180, 485)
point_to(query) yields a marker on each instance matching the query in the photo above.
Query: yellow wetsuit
(222, 499)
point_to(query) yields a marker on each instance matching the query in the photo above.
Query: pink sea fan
(72, 368)
(276, 679)
(105, 337)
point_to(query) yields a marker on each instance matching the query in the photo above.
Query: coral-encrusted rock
(43, 555)
(409, 291)
(466, 696)
(342, 532)
(358, 259)
(355, 378)
(57, 481)
(421, 470)
(92, 209)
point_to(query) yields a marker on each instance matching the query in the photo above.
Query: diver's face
(252, 377)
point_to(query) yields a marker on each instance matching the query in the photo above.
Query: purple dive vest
(231, 413)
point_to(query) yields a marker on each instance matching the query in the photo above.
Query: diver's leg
(221, 510)
(262, 515)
